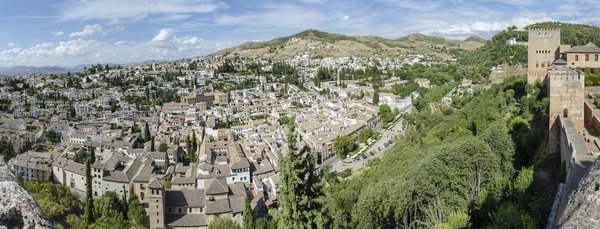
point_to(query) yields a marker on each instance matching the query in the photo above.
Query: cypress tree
(152, 145)
(92, 154)
(248, 216)
(89, 201)
(147, 135)
(194, 148)
(166, 161)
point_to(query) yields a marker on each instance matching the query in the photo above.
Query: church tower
(156, 203)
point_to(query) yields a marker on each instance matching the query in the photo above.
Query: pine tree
(89, 201)
(300, 188)
(248, 216)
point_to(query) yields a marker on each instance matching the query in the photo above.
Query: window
(576, 57)
(596, 57)
(566, 113)
(543, 65)
(587, 57)
(179, 210)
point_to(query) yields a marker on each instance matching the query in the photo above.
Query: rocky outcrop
(17, 208)
(583, 208)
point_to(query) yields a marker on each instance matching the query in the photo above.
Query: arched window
(576, 57)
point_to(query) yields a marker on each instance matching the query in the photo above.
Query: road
(378, 148)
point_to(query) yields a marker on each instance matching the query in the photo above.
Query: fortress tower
(543, 49)
(566, 92)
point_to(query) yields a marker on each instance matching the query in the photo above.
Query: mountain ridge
(324, 44)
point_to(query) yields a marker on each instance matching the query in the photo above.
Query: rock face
(17, 208)
(583, 209)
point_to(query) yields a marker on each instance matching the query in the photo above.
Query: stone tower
(156, 203)
(566, 92)
(543, 49)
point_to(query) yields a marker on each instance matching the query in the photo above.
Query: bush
(346, 173)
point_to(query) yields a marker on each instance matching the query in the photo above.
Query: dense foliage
(6, 150)
(457, 169)
(478, 63)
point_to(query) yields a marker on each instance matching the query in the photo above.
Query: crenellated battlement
(544, 29)
(566, 75)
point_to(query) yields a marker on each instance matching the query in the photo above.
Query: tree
(262, 223)
(136, 212)
(344, 145)
(6, 150)
(163, 147)
(376, 98)
(89, 206)
(193, 156)
(385, 112)
(300, 188)
(147, 135)
(152, 145)
(365, 134)
(223, 223)
(509, 216)
(92, 154)
(248, 216)
(166, 161)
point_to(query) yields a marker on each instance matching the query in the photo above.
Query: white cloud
(164, 35)
(65, 52)
(12, 44)
(88, 30)
(76, 47)
(132, 9)
(167, 45)
(122, 42)
(59, 33)
(345, 18)
(11, 51)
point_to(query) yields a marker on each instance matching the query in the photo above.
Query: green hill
(476, 39)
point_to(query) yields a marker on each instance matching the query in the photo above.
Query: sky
(74, 32)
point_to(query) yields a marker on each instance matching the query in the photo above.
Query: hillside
(322, 44)
(476, 39)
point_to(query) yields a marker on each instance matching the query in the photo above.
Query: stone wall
(543, 49)
(17, 208)
(591, 121)
(584, 202)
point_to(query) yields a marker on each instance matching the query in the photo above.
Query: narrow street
(378, 148)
